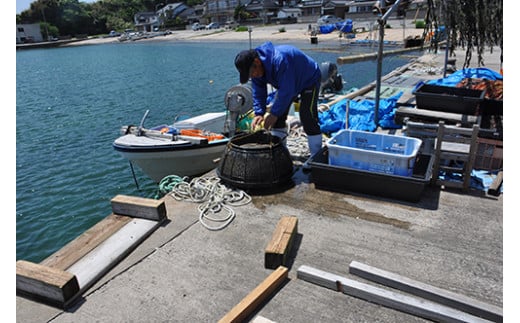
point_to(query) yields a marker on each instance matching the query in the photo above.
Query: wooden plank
(369, 56)
(139, 207)
(280, 245)
(433, 116)
(53, 286)
(442, 296)
(90, 239)
(494, 188)
(404, 303)
(249, 304)
(101, 259)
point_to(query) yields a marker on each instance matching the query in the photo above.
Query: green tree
(52, 31)
(74, 17)
(240, 14)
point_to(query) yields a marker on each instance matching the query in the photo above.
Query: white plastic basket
(374, 152)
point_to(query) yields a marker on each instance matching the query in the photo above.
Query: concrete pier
(184, 272)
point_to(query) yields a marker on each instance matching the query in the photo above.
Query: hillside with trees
(73, 17)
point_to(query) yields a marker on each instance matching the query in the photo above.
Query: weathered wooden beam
(432, 116)
(246, 307)
(53, 286)
(90, 239)
(369, 87)
(404, 303)
(105, 256)
(432, 293)
(92, 254)
(139, 207)
(280, 245)
(369, 56)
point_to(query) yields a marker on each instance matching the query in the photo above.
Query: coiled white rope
(214, 198)
(297, 142)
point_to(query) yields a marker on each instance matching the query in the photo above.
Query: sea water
(71, 103)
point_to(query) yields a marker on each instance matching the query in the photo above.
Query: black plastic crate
(448, 99)
(345, 179)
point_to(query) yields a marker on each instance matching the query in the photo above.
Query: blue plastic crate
(374, 152)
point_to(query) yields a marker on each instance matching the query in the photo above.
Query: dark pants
(308, 112)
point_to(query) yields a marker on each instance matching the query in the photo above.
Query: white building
(289, 13)
(28, 33)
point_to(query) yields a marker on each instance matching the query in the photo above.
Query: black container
(448, 99)
(491, 122)
(413, 42)
(255, 161)
(345, 179)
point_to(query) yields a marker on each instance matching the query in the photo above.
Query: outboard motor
(331, 81)
(238, 101)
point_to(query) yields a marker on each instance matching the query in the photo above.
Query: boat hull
(160, 158)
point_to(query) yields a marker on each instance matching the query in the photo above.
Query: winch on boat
(239, 103)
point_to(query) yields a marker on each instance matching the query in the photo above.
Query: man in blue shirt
(293, 74)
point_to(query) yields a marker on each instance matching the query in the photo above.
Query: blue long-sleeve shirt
(287, 69)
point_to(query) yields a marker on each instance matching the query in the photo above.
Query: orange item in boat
(202, 134)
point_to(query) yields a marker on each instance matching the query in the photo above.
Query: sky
(22, 5)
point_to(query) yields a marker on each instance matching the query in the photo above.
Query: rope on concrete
(215, 198)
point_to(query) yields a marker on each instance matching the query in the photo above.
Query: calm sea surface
(71, 103)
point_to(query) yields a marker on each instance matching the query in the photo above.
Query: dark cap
(243, 63)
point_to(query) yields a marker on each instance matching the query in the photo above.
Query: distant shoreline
(291, 32)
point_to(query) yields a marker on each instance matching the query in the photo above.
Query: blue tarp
(480, 179)
(361, 115)
(477, 73)
(343, 26)
(327, 29)
(346, 26)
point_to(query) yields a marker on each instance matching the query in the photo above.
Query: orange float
(201, 134)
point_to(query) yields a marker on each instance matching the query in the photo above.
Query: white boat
(172, 150)
(190, 147)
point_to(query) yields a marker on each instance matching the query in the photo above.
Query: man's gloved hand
(257, 122)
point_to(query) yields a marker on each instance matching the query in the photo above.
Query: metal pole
(379, 68)
(446, 52)
(250, 29)
(404, 28)
(382, 22)
(447, 43)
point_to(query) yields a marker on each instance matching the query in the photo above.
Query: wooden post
(53, 286)
(139, 207)
(280, 245)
